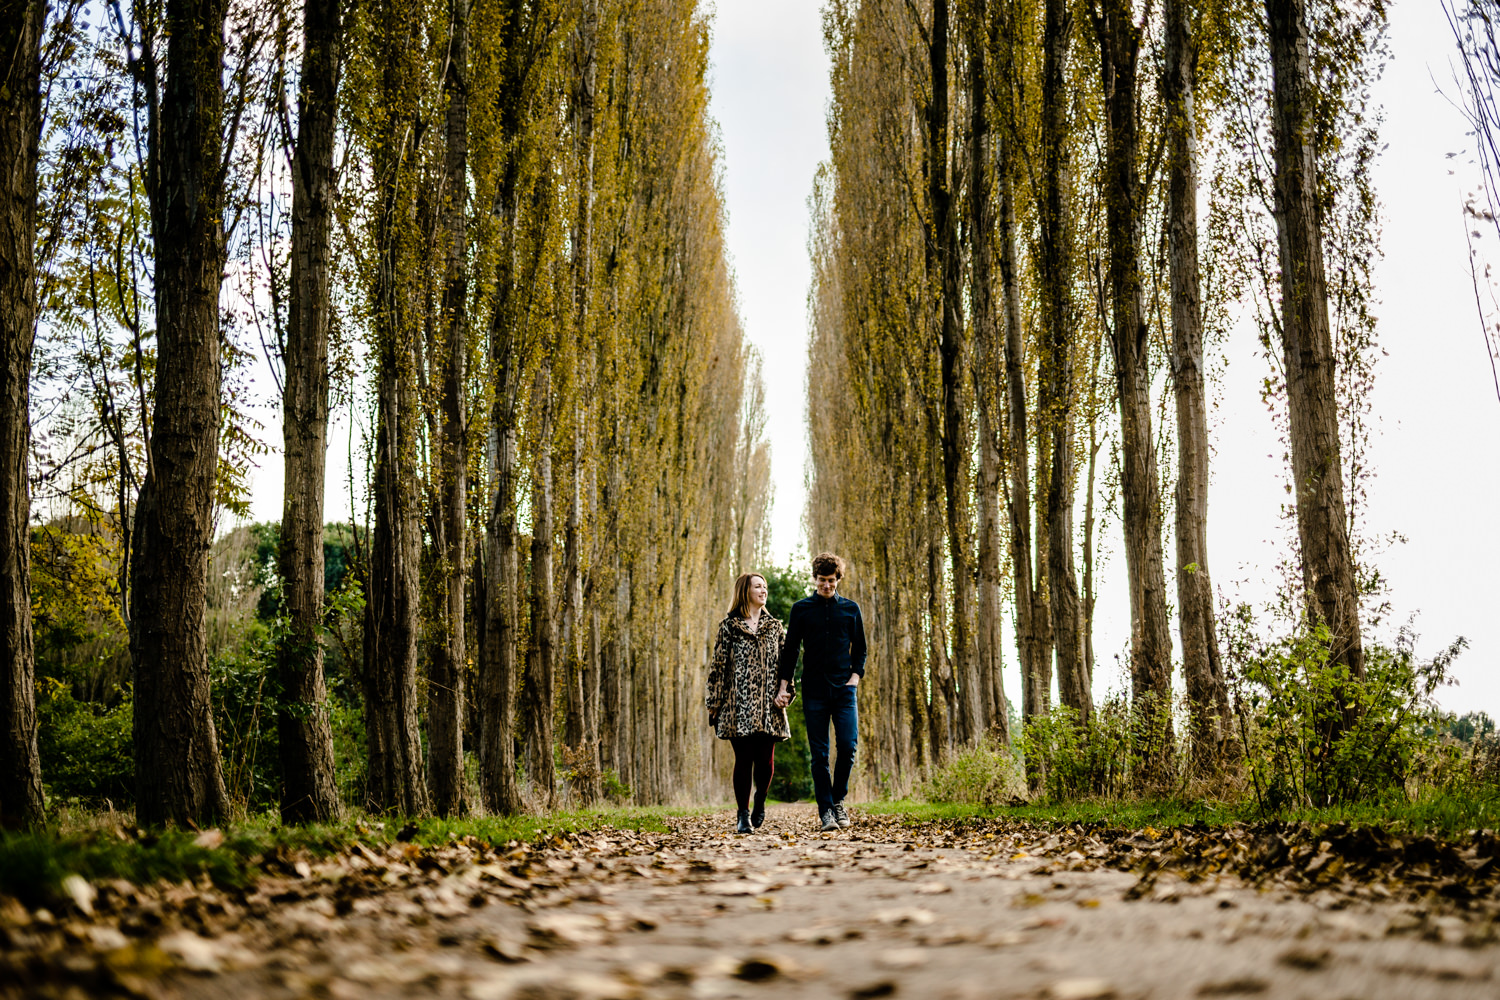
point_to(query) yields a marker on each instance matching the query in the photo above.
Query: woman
(742, 695)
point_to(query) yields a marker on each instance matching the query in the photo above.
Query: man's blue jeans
(840, 707)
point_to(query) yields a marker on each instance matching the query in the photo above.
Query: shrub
(1121, 748)
(986, 773)
(85, 747)
(1312, 734)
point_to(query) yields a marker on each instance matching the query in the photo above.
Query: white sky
(1439, 421)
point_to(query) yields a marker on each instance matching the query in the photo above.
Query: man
(831, 634)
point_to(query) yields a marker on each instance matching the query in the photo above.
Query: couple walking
(750, 686)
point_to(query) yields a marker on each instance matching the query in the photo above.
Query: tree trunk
(392, 608)
(1150, 632)
(1307, 346)
(497, 660)
(497, 754)
(1033, 622)
(1201, 669)
(942, 717)
(538, 683)
(21, 24)
(1056, 402)
(580, 736)
(982, 225)
(178, 771)
(309, 791)
(945, 255)
(445, 670)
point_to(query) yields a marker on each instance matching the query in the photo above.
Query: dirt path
(880, 910)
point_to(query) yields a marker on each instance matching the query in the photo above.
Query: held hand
(783, 697)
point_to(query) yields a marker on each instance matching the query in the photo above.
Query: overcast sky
(1434, 454)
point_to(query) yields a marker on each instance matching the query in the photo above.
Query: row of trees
(493, 230)
(1012, 278)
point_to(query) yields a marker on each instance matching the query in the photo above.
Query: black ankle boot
(758, 815)
(744, 824)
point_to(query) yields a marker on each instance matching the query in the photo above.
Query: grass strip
(1431, 812)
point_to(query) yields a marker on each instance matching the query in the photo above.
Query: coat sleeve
(787, 665)
(718, 674)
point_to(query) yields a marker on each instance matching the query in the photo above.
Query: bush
(85, 747)
(1121, 748)
(792, 781)
(987, 774)
(1312, 734)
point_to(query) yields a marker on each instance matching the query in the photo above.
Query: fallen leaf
(1306, 959)
(901, 958)
(80, 892)
(1081, 989)
(1237, 986)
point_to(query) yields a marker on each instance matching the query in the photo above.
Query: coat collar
(739, 623)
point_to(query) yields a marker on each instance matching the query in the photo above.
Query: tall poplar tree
(393, 742)
(449, 353)
(20, 136)
(178, 772)
(304, 734)
(1119, 40)
(1307, 344)
(1201, 667)
(1056, 396)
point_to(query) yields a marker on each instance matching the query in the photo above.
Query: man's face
(827, 585)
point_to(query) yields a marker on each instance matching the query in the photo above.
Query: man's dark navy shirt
(831, 634)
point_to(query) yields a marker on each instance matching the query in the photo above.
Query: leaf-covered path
(928, 911)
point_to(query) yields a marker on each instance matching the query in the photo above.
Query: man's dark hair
(828, 564)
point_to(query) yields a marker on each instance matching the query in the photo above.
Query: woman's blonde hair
(741, 605)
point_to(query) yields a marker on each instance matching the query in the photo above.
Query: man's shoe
(830, 822)
(758, 815)
(744, 823)
(841, 815)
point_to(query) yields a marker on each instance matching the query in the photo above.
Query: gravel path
(880, 910)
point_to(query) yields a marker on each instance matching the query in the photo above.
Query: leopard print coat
(742, 679)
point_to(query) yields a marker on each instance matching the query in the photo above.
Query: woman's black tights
(754, 759)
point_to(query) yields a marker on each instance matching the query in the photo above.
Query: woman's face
(758, 592)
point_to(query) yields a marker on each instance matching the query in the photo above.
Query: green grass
(1431, 812)
(33, 864)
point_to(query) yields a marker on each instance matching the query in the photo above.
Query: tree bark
(1150, 632)
(1074, 683)
(539, 681)
(1033, 621)
(446, 662)
(178, 771)
(580, 736)
(1307, 346)
(497, 753)
(392, 607)
(988, 640)
(309, 791)
(497, 659)
(944, 255)
(1201, 667)
(21, 23)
